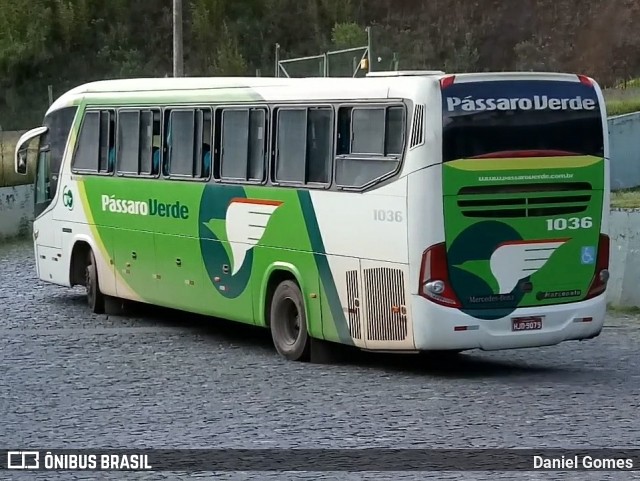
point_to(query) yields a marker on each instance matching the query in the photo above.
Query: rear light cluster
(434, 277)
(446, 82)
(601, 276)
(585, 80)
(435, 284)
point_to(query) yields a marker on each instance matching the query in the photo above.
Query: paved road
(165, 379)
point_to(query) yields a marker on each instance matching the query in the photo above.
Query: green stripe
(326, 277)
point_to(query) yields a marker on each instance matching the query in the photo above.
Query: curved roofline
(204, 83)
(208, 83)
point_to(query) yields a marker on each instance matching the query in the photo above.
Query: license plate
(533, 323)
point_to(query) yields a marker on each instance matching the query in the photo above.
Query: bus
(407, 212)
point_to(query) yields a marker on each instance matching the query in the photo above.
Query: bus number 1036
(574, 223)
(381, 215)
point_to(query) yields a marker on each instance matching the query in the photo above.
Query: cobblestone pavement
(157, 378)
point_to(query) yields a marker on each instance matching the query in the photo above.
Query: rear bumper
(434, 326)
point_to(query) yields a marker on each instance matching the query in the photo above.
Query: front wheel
(289, 322)
(95, 298)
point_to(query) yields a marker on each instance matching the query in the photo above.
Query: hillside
(67, 42)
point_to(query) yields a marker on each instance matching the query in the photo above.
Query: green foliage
(348, 35)
(628, 84)
(465, 57)
(25, 31)
(64, 43)
(535, 55)
(622, 107)
(626, 199)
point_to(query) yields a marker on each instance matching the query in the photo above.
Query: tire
(288, 322)
(95, 298)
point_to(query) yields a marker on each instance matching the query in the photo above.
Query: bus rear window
(521, 118)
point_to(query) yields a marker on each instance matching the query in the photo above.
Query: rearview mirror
(26, 150)
(21, 161)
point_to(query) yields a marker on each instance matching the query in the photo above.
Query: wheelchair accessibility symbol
(67, 198)
(588, 255)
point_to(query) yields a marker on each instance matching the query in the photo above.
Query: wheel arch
(82, 245)
(273, 276)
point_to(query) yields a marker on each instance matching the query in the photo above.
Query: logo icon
(67, 198)
(517, 260)
(588, 255)
(492, 265)
(23, 460)
(231, 225)
(247, 220)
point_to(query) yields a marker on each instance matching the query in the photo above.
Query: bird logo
(247, 220)
(513, 261)
(231, 224)
(491, 260)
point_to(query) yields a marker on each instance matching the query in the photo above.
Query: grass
(632, 310)
(622, 101)
(626, 199)
(621, 107)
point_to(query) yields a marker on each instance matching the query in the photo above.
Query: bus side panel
(365, 272)
(345, 305)
(182, 277)
(290, 241)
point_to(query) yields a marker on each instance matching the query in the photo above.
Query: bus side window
(304, 145)
(181, 143)
(319, 145)
(128, 145)
(146, 142)
(206, 139)
(107, 142)
(188, 143)
(242, 144)
(96, 143)
(370, 145)
(156, 144)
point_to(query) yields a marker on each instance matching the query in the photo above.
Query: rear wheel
(95, 298)
(289, 322)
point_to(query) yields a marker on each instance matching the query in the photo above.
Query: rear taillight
(601, 276)
(434, 277)
(447, 81)
(585, 80)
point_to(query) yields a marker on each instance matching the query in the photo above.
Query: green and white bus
(404, 211)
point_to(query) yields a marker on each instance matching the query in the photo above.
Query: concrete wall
(624, 264)
(8, 177)
(624, 138)
(16, 211)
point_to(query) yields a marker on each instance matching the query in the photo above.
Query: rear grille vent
(386, 310)
(353, 305)
(417, 134)
(528, 200)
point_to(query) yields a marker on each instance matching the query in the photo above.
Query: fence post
(178, 57)
(369, 42)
